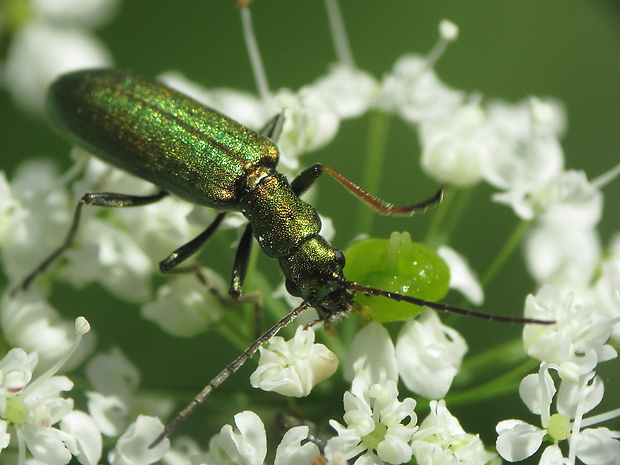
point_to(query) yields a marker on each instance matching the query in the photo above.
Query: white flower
(563, 248)
(52, 38)
(294, 367)
(311, 122)
(379, 427)
(576, 342)
(35, 214)
(295, 450)
(32, 405)
(115, 399)
(183, 451)
(110, 256)
(456, 147)
(76, 13)
(348, 90)
(441, 440)
(27, 321)
(429, 355)
(518, 440)
(562, 253)
(246, 446)
(413, 90)
(527, 161)
(42, 51)
(184, 306)
(133, 448)
(371, 355)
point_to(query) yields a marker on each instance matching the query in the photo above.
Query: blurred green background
(506, 49)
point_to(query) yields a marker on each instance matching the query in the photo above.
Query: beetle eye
(292, 288)
(339, 258)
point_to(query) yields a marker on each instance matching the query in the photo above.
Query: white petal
(374, 345)
(518, 440)
(249, 445)
(113, 373)
(5, 438)
(394, 450)
(462, 277)
(112, 256)
(195, 306)
(347, 89)
(290, 451)
(369, 458)
(109, 412)
(532, 394)
(83, 429)
(76, 13)
(40, 52)
(311, 121)
(132, 447)
(413, 90)
(455, 148)
(559, 253)
(552, 455)
(48, 445)
(598, 446)
(573, 396)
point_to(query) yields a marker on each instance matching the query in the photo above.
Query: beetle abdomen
(156, 133)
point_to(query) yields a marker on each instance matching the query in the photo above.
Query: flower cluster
(465, 140)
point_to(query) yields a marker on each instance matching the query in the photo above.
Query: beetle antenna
(226, 372)
(371, 291)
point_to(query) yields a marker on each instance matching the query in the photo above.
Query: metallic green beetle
(165, 137)
(200, 155)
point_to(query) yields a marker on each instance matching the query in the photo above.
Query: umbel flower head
(32, 406)
(378, 426)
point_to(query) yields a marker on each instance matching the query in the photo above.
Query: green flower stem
(459, 208)
(509, 247)
(274, 307)
(373, 165)
(502, 385)
(230, 331)
(507, 354)
(448, 215)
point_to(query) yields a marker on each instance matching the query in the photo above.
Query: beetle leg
(237, 278)
(273, 128)
(98, 199)
(307, 177)
(169, 264)
(229, 370)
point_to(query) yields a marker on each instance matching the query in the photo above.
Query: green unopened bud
(16, 410)
(559, 427)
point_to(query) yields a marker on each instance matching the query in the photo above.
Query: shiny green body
(165, 137)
